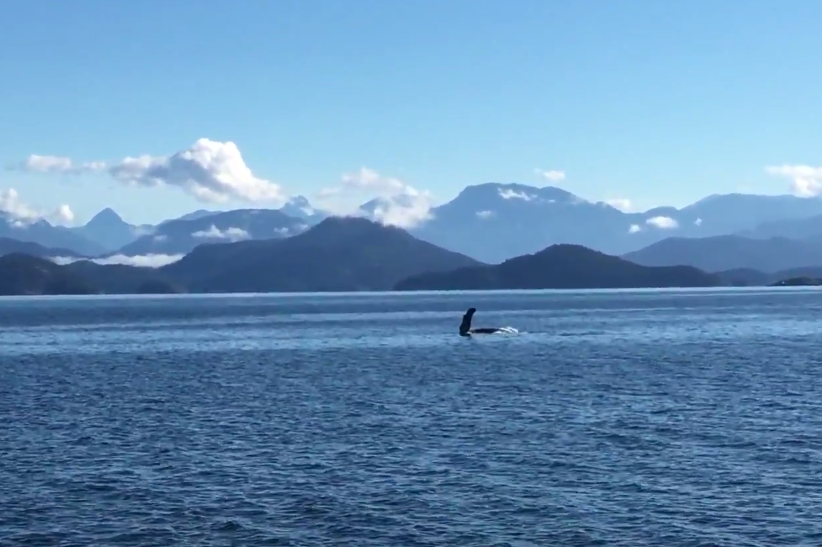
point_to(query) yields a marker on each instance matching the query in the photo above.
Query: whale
(467, 331)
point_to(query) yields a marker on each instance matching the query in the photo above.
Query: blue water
(662, 418)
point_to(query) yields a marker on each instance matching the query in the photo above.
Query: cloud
(484, 215)
(231, 234)
(370, 180)
(143, 261)
(22, 214)
(211, 171)
(550, 176)
(665, 223)
(507, 193)
(397, 203)
(806, 181)
(56, 164)
(622, 204)
(698, 222)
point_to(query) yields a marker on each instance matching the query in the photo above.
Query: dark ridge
(338, 254)
(561, 267)
(9, 245)
(23, 274)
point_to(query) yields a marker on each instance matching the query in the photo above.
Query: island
(798, 282)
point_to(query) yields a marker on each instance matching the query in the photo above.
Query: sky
(160, 107)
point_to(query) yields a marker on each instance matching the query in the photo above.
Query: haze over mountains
(490, 223)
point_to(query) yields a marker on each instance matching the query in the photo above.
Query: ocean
(626, 418)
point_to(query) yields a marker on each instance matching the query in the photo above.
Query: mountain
(9, 246)
(110, 231)
(193, 215)
(560, 266)
(794, 228)
(43, 233)
(22, 274)
(496, 221)
(338, 254)
(755, 278)
(730, 252)
(123, 279)
(299, 207)
(182, 236)
(737, 213)
(492, 222)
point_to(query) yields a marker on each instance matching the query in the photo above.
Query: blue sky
(658, 102)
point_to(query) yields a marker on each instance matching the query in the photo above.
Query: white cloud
(806, 181)
(634, 228)
(622, 204)
(486, 214)
(211, 171)
(665, 223)
(231, 234)
(698, 222)
(143, 261)
(62, 215)
(143, 230)
(370, 180)
(22, 214)
(550, 176)
(507, 193)
(397, 203)
(36, 163)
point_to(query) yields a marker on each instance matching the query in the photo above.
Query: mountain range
(339, 254)
(491, 223)
(108, 234)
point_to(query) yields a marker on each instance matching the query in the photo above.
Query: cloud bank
(665, 223)
(507, 193)
(21, 213)
(211, 171)
(806, 181)
(143, 261)
(230, 234)
(397, 203)
(215, 172)
(660, 222)
(36, 163)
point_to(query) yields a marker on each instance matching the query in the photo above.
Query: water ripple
(618, 418)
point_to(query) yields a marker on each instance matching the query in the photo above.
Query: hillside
(730, 252)
(46, 235)
(122, 279)
(109, 230)
(183, 235)
(754, 278)
(338, 254)
(22, 274)
(560, 267)
(9, 245)
(793, 228)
